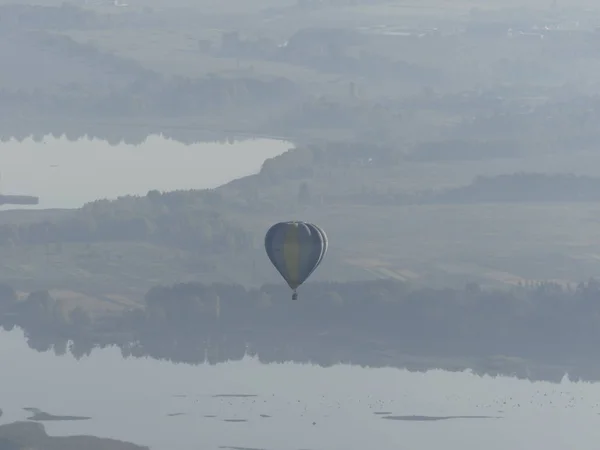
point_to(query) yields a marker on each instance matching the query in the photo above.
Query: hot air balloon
(295, 249)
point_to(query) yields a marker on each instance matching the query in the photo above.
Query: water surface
(291, 406)
(66, 174)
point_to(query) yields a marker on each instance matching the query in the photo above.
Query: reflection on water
(309, 407)
(67, 174)
(234, 395)
(239, 448)
(433, 418)
(41, 416)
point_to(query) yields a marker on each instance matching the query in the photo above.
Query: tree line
(507, 188)
(162, 218)
(375, 323)
(156, 97)
(115, 134)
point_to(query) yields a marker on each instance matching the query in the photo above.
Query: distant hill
(40, 60)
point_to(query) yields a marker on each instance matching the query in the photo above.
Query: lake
(66, 174)
(292, 406)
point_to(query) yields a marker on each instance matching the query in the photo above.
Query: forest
(540, 328)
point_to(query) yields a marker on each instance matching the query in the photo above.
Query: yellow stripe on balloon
(291, 255)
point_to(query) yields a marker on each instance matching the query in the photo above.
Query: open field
(441, 245)
(454, 244)
(490, 243)
(177, 53)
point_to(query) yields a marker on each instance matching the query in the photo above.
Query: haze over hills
(440, 146)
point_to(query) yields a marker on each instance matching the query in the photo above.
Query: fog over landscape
(447, 151)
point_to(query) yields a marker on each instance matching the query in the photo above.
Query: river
(67, 174)
(292, 406)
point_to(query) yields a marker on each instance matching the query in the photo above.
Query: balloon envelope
(295, 249)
